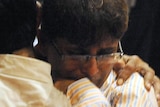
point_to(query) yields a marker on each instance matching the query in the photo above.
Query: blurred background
(143, 35)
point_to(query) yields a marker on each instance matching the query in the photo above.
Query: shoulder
(134, 93)
(134, 85)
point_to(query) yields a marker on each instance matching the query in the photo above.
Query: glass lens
(85, 58)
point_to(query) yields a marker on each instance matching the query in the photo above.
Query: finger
(148, 73)
(156, 85)
(126, 71)
(158, 103)
(118, 65)
(143, 68)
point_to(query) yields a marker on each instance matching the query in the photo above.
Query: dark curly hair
(84, 22)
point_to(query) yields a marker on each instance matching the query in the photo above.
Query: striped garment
(83, 93)
(132, 93)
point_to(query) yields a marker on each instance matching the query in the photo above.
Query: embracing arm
(129, 64)
(134, 94)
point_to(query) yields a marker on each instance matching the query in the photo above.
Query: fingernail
(148, 86)
(120, 81)
(158, 96)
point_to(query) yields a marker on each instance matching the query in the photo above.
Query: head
(82, 28)
(18, 25)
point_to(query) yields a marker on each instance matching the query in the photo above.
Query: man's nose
(90, 67)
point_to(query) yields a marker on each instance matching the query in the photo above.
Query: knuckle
(135, 57)
(151, 70)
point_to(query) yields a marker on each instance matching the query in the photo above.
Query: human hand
(130, 64)
(156, 82)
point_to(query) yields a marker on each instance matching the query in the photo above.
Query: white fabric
(26, 82)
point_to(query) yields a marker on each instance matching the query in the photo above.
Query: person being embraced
(80, 39)
(26, 81)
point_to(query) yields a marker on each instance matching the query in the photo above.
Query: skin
(97, 73)
(124, 68)
(27, 52)
(135, 64)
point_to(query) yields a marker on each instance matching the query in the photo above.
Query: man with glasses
(80, 39)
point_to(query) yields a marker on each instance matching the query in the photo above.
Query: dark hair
(84, 21)
(17, 24)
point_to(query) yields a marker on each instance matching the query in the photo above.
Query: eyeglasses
(84, 58)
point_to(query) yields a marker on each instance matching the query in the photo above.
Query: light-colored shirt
(131, 94)
(27, 82)
(83, 93)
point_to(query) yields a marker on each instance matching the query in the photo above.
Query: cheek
(104, 71)
(102, 75)
(105, 68)
(70, 65)
(70, 69)
(106, 65)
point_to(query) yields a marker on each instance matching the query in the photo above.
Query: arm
(134, 93)
(129, 64)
